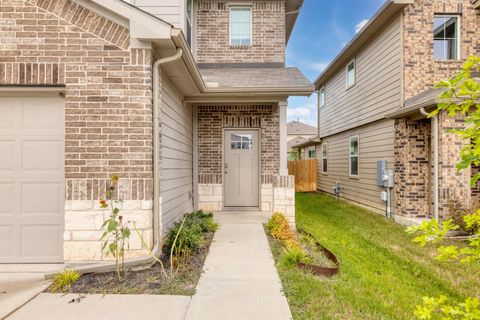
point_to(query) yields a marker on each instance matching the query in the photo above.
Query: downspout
(435, 161)
(157, 247)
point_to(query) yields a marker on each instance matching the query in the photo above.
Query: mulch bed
(148, 281)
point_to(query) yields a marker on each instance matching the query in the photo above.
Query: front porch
(248, 174)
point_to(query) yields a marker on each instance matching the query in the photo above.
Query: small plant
(116, 231)
(431, 231)
(294, 254)
(280, 229)
(63, 281)
(438, 308)
(205, 220)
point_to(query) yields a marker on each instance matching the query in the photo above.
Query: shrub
(457, 212)
(294, 254)
(65, 280)
(279, 228)
(205, 220)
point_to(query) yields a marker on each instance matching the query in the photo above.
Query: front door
(241, 168)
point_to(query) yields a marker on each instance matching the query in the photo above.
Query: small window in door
(241, 141)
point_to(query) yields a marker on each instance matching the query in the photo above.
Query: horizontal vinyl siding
(376, 143)
(377, 90)
(176, 183)
(170, 11)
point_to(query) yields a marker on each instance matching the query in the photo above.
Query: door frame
(225, 208)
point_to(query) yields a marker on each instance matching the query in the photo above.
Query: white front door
(241, 168)
(31, 179)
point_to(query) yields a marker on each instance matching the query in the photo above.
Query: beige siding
(377, 90)
(376, 143)
(176, 184)
(171, 11)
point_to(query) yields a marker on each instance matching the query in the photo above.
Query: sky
(322, 29)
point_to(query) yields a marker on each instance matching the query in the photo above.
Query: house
(373, 100)
(306, 148)
(184, 100)
(299, 132)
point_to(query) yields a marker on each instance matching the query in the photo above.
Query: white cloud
(360, 25)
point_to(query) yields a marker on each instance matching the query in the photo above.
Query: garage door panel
(42, 155)
(8, 155)
(32, 179)
(10, 113)
(6, 241)
(41, 241)
(42, 116)
(42, 198)
(7, 197)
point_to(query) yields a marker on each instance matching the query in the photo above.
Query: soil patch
(148, 281)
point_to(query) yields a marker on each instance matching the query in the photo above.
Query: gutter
(157, 246)
(435, 161)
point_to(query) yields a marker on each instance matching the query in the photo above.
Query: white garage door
(31, 179)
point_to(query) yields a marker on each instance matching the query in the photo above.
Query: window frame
(189, 22)
(324, 91)
(347, 86)
(458, 35)
(246, 6)
(324, 157)
(350, 156)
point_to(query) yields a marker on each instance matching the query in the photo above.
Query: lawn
(383, 275)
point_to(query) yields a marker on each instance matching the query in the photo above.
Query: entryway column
(282, 106)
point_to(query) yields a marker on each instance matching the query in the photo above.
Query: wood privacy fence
(305, 172)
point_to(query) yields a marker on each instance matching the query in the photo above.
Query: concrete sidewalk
(240, 280)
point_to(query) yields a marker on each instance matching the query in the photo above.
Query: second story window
(322, 97)
(351, 75)
(446, 37)
(240, 26)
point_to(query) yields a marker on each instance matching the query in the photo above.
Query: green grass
(383, 275)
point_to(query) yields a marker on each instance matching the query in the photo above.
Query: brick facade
(212, 120)
(108, 90)
(213, 38)
(412, 168)
(421, 71)
(413, 152)
(108, 109)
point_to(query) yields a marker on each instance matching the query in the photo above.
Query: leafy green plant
(461, 96)
(205, 220)
(63, 281)
(294, 254)
(116, 232)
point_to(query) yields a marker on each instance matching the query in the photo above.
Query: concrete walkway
(19, 283)
(240, 280)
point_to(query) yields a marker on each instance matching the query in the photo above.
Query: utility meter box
(381, 170)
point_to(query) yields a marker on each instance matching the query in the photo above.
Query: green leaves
(431, 231)
(438, 308)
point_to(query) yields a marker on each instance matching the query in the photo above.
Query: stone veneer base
(83, 221)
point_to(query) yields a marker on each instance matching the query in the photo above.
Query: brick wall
(108, 90)
(412, 168)
(421, 71)
(212, 120)
(213, 38)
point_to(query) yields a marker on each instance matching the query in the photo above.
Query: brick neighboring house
(80, 102)
(370, 108)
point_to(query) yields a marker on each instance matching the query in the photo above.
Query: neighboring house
(77, 80)
(370, 100)
(306, 148)
(297, 133)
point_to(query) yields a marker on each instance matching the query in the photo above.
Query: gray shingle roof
(296, 141)
(253, 77)
(300, 128)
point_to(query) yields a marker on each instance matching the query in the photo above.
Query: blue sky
(323, 28)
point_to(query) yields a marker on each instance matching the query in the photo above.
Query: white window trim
(347, 86)
(324, 97)
(325, 156)
(350, 157)
(459, 35)
(235, 6)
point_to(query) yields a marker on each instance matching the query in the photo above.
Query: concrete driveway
(21, 283)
